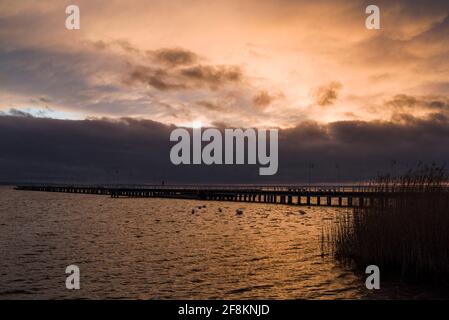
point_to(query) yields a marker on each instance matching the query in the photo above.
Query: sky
(310, 68)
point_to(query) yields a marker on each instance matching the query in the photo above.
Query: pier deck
(339, 196)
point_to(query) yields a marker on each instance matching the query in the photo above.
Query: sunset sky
(238, 63)
(342, 95)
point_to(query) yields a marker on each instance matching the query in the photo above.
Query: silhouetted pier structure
(339, 196)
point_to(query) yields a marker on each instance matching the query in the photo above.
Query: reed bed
(404, 230)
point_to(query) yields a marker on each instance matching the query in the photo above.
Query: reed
(404, 230)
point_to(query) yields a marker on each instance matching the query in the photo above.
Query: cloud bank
(137, 151)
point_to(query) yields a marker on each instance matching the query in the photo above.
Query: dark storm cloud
(212, 76)
(405, 103)
(156, 78)
(137, 151)
(327, 95)
(174, 56)
(175, 69)
(120, 43)
(263, 99)
(185, 78)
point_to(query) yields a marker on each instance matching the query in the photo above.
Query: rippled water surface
(157, 249)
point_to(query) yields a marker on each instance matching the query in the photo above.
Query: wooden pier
(335, 196)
